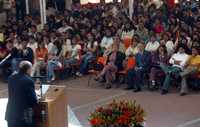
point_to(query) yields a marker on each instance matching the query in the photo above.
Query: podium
(52, 109)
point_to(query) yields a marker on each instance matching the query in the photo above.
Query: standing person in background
(60, 5)
(21, 98)
(20, 9)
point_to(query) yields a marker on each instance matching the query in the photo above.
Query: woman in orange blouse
(41, 57)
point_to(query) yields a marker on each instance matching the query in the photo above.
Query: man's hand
(177, 62)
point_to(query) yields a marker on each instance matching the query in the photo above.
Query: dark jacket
(21, 96)
(29, 55)
(143, 60)
(119, 60)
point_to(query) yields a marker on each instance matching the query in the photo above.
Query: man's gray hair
(24, 66)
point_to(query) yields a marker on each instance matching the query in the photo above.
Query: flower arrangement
(118, 114)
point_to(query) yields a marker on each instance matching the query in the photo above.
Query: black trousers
(19, 124)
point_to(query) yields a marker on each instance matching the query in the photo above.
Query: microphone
(6, 58)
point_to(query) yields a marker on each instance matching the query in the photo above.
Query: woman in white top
(74, 55)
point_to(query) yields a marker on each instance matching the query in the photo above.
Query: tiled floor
(162, 111)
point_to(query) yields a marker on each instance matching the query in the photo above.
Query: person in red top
(158, 27)
(171, 3)
(41, 57)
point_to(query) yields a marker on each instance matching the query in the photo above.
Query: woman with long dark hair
(159, 57)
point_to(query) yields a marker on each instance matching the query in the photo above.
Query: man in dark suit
(21, 97)
(135, 77)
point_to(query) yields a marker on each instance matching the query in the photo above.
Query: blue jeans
(69, 62)
(87, 58)
(170, 71)
(52, 64)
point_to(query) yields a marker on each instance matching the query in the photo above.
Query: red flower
(127, 113)
(96, 121)
(123, 120)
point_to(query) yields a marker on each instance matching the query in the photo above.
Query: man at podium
(21, 97)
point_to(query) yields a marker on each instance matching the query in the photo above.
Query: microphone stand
(41, 91)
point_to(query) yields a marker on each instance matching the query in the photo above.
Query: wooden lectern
(52, 109)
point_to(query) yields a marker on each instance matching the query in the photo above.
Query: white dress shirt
(183, 57)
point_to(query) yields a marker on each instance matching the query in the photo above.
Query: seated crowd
(160, 44)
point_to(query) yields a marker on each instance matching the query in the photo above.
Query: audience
(84, 34)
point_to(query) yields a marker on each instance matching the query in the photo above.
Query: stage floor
(171, 110)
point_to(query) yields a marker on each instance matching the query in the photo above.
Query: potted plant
(118, 114)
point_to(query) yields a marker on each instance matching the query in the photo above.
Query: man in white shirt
(152, 45)
(178, 62)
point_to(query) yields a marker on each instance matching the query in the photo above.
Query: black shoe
(137, 90)
(128, 88)
(183, 94)
(164, 92)
(108, 87)
(96, 79)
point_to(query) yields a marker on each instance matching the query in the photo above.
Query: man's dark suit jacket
(143, 60)
(21, 96)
